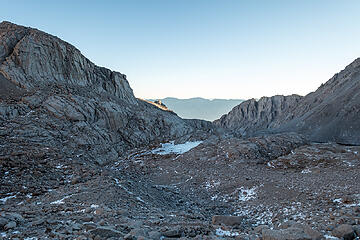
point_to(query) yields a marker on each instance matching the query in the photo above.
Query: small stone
(89, 226)
(10, 225)
(106, 232)
(3, 222)
(173, 233)
(99, 211)
(128, 237)
(287, 224)
(15, 217)
(88, 210)
(75, 180)
(101, 222)
(154, 235)
(259, 228)
(227, 220)
(357, 229)
(87, 218)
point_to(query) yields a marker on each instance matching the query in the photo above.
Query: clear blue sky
(205, 48)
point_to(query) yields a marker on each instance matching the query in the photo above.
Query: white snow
(270, 164)
(212, 184)
(140, 200)
(94, 206)
(61, 201)
(168, 148)
(31, 238)
(222, 233)
(350, 164)
(3, 200)
(125, 189)
(60, 166)
(331, 237)
(246, 194)
(3, 234)
(306, 171)
(214, 197)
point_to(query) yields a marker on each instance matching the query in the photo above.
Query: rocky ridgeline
(252, 115)
(55, 96)
(331, 113)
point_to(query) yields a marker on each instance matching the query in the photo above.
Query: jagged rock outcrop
(252, 115)
(331, 113)
(52, 95)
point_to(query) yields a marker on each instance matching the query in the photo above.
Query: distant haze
(200, 108)
(206, 48)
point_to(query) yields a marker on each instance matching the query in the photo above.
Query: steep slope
(252, 115)
(56, 97)
(331, 113)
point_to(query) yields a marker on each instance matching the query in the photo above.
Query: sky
(205, 48)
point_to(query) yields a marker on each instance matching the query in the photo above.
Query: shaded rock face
(55, 97)
(34, 59)
(331, 113)
(251, 115)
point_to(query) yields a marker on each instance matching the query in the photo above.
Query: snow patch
(168, 148)
(246, 194)
(212, 184)
(331, 237)
(61, 201)
(121, 186)
(140, 200)
(270, 164)
(213, 198)
(350, 164)
(223, 233)
(306, 171)
(94, 206)
(3, 200)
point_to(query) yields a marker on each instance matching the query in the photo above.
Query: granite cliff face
(252, 115)
(331, 113)
(53, 95)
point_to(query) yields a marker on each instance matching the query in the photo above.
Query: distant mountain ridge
(199, 108)
(253, 115)
(331, 113)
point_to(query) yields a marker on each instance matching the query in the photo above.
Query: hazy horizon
(210, 49)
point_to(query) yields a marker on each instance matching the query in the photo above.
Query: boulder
(227, 220)
(344, 231)
(10, 225)
(106, 232)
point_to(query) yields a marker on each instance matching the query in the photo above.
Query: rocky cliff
(51, 95)
(252, 115)
(331, 113)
